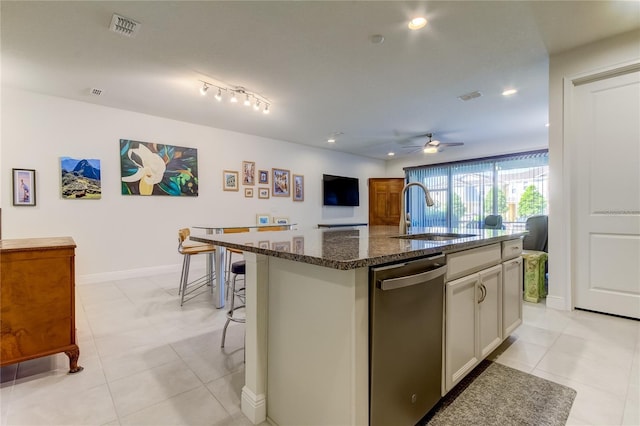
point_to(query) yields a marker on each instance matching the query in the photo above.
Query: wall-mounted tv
(340, 191)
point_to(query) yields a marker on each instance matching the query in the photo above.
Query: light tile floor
(150, 362)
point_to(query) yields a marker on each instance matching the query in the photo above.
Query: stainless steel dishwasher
(405, 340)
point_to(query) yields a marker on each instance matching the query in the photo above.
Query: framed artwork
(24, 187)
(263, 193)
(281, 246)
(248, 192)
(80, 178)
(298, 245)
(248, 173)
(263, 176)
(154, 169)
(281, 183)
(263, 245)
(298, 188)
(262, 219)
(229, 180)
(281, 220)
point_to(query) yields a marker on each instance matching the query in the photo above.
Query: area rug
(493, 394)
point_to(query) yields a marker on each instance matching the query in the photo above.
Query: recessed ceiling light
(509, 92)
(331, 140)
(417, 23)
(391, 154)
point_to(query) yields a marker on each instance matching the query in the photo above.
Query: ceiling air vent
(124, 26)
(470, 95)
(95, 92)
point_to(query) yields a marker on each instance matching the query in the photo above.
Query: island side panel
(254, 392)
(317, 344)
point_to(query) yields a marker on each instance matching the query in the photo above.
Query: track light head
(266, 109)
(256, 106)
(247, 101)
(204, 88)
(219, 95)
(233, 99)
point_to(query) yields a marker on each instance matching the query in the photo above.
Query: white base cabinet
(483, 305)
(473, 322)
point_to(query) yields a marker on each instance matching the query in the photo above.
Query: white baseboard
(556, 302)
(123, 275)
(253, 406)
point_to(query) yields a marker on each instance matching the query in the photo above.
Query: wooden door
(606, 177)
(384, 200)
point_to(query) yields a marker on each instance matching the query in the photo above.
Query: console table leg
(73, 355)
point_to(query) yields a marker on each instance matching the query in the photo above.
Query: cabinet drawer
(473, 260)
(511, 249)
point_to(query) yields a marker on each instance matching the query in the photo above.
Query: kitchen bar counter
(307, 316)
(353, 247)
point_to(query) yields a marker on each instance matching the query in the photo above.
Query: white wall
(128, 235)
(591, 59)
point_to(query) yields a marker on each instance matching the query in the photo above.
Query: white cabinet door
(461, 329)
(511, 296)
(490, 310)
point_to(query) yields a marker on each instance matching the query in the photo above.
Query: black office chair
(493, 221)
(537, 238)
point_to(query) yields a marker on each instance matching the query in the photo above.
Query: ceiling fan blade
(451, 143)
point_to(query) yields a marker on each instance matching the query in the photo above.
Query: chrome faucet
(403, 213)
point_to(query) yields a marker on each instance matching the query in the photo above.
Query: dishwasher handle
(421, 278)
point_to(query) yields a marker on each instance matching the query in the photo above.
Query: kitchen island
(307, 311)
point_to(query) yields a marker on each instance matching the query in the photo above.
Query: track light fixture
(233, 92)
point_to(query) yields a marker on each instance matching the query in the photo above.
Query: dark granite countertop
(352, 247)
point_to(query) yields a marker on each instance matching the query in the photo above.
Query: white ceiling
(315, 62)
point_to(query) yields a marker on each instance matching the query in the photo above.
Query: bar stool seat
(237, 268)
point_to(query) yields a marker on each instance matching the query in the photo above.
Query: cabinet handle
(483, 293)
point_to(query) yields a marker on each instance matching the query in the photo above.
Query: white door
(605, 151)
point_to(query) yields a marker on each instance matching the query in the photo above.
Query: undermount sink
(434, 236)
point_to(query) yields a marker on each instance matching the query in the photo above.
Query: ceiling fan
(432, 146)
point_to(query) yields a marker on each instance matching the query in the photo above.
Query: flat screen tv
(340, 191)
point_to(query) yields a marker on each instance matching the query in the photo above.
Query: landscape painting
(80, 178)
(148, 168)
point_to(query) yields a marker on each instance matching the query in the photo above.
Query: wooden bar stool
(187, 249)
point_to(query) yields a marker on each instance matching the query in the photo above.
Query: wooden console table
(37, 316)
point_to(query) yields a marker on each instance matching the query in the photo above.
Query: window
(465, 192)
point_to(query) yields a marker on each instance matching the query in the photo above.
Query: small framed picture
(298, 188)
(263, 176)
(281, 246)
(281, 220)
(248, 173)
(281, 183)
(263, 245)
(298, 245)
(263, 193)
(229, 180)
(24, 187)
(262, 219)
(248, 192)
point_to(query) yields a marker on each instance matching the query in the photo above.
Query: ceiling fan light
(430, 150)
